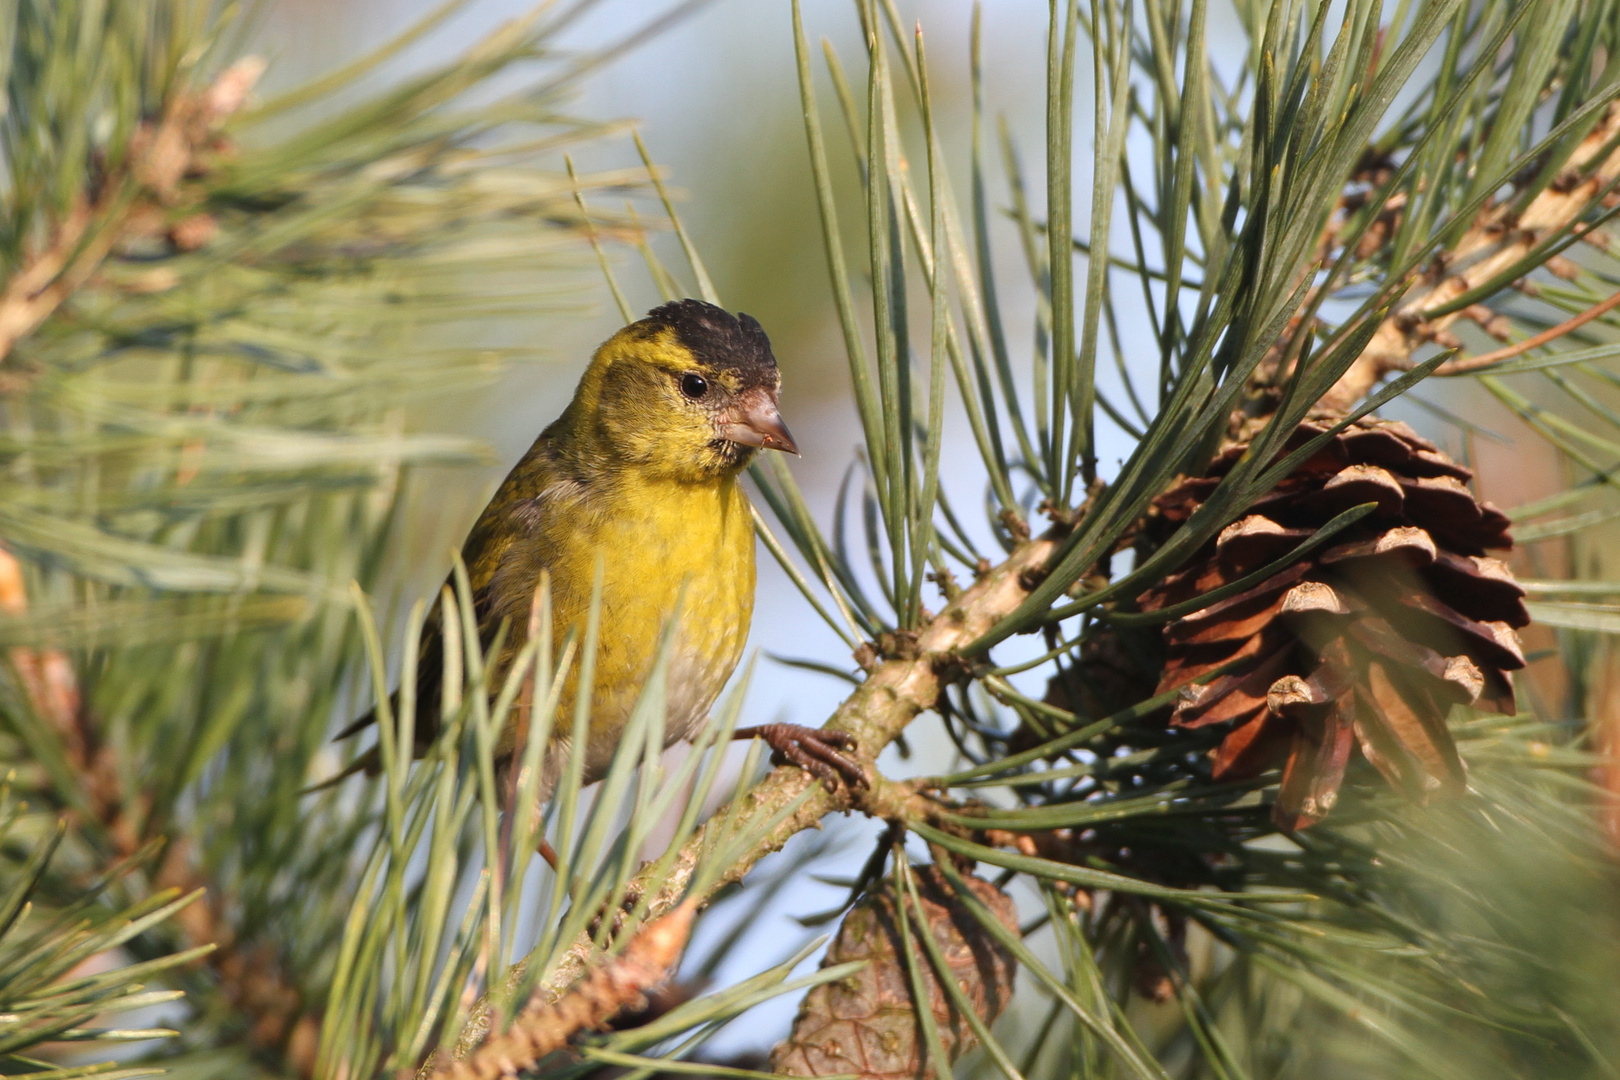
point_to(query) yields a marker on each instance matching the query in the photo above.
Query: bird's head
(689, 392)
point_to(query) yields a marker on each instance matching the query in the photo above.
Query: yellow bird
(641, 473)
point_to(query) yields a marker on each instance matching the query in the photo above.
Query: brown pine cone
(1109, 675)
(867, 1023)
(1368, 641)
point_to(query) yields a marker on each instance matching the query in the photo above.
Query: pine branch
(546, 1026)
(897, 690)
(1500, 241)
(133, 200)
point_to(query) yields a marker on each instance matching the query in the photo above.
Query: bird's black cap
(719, 338)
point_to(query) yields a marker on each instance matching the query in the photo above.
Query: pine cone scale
(1416, 725)
(1255, 541)
(1487, 584)
(1492, 643)
(1316, 762)
(1231, 697)
(1407, 546)
(1251, 748)
(1259, 597)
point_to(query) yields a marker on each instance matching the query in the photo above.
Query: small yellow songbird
(640, 474)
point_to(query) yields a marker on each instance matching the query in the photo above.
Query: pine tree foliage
(1325, 215)
(50, 996)
(1306, 224)
(215, 319)
(216, 309)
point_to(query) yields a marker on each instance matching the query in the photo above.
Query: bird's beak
(755, 421)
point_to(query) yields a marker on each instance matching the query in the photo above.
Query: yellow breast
(666, 550)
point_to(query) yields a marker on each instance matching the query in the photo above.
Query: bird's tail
(428, 669)
(369, 762)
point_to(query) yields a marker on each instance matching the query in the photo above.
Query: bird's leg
(632, 897)
(821, 753)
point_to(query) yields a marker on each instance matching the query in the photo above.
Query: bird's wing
(513, 512)
(429, 688)
(429, 685)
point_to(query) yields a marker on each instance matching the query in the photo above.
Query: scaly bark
(546, 1026)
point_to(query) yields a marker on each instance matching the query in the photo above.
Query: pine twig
(1496, 242)
(545, 1026)
(1467, 364)
(130, 201)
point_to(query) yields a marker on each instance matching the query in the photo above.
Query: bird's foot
(821, 753)
(627, 903)
(614, 916)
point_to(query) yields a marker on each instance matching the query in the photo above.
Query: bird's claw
(821, 753)
(627, 904)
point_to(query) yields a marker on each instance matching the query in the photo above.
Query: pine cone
(1112, 673)
(1369, 641)
(867, 1024)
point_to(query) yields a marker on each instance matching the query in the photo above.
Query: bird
(638, 483)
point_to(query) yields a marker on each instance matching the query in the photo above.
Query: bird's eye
(694, 385)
